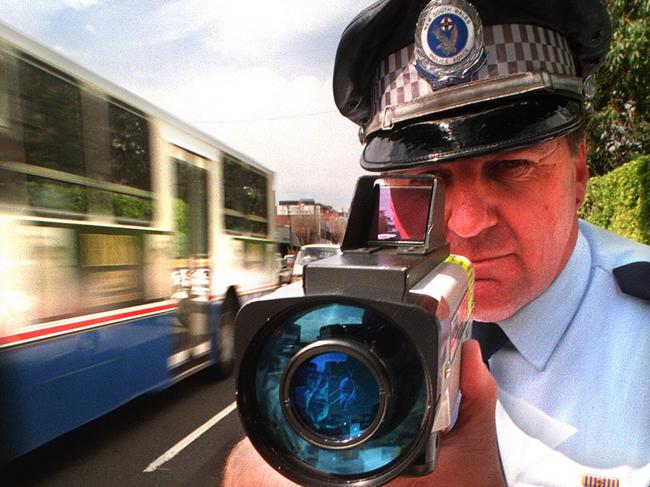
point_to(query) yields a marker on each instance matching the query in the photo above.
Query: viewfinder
(401, 212)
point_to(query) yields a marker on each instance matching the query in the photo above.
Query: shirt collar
(536, 329)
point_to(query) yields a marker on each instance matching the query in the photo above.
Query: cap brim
(516, 124)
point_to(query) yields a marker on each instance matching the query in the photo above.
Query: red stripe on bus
(11, 339)
(71, 327)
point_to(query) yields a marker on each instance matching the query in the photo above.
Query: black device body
(350, 379)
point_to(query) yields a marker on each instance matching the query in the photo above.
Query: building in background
(302, 222)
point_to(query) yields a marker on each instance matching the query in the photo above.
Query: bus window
(11, 146)
(190, 210)
(49, 131)
(129, 141)
(5, 104)
(68, 151)
(245, 199)
(130, 164)
(51, 119)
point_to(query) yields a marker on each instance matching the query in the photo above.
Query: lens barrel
(333, 391)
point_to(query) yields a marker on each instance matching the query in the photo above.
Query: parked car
(283, 269)
(311, 253)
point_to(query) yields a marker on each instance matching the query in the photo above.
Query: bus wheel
(226, 341)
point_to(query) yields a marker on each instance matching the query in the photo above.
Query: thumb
(476, 383)
(469, 454)
(476, 427)
(472, 442)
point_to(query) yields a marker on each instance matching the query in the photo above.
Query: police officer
(489, 96)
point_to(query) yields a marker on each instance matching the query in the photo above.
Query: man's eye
(511, 168)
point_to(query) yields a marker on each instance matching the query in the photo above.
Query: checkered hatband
(511, 49)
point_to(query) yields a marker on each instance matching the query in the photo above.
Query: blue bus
(128, 241)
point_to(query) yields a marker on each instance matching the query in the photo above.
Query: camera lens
(335, 393)
(334, 387)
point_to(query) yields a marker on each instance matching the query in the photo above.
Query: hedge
(619, 201)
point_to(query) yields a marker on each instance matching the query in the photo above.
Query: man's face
(513, 214)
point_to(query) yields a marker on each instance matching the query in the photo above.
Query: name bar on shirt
(598, 481)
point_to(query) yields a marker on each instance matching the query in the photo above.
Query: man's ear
(582, 172)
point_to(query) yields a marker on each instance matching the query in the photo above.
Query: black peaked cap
(388, 25)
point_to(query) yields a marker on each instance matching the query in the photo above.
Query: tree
(306, 228)
(619, 129)
(337, 229)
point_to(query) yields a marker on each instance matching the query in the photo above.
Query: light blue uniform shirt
(575, 383)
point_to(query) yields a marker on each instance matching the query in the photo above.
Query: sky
(256, 75)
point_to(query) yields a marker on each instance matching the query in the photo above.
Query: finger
(476, 382)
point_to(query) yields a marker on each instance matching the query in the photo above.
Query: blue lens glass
(335, 395)
(293, 333)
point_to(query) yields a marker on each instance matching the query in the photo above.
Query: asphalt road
(115, 450)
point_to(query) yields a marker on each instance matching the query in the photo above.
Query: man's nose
(469, 212)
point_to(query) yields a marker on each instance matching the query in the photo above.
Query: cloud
(272, 119)
(19, 13)
(168, 21)
(39, 8)
(33, 16)
(283, 118)
(242, 29)
(78, 4)
(252, 29)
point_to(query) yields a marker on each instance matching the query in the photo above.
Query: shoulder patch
(634, 279)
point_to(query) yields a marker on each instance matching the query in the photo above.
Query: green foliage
(134, 207)
(620, 200)
(244, 189)
(619, 129)
(44, 193)
(130, 161)
(181, 242)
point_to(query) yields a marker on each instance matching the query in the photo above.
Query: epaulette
(634, 279)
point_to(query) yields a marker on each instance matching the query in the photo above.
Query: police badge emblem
(449, 44)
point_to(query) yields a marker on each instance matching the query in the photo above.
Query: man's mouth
(487, 259)
(488, 268)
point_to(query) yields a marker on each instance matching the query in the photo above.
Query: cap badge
(449, 44)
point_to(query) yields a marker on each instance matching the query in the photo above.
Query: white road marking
(178, 447)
